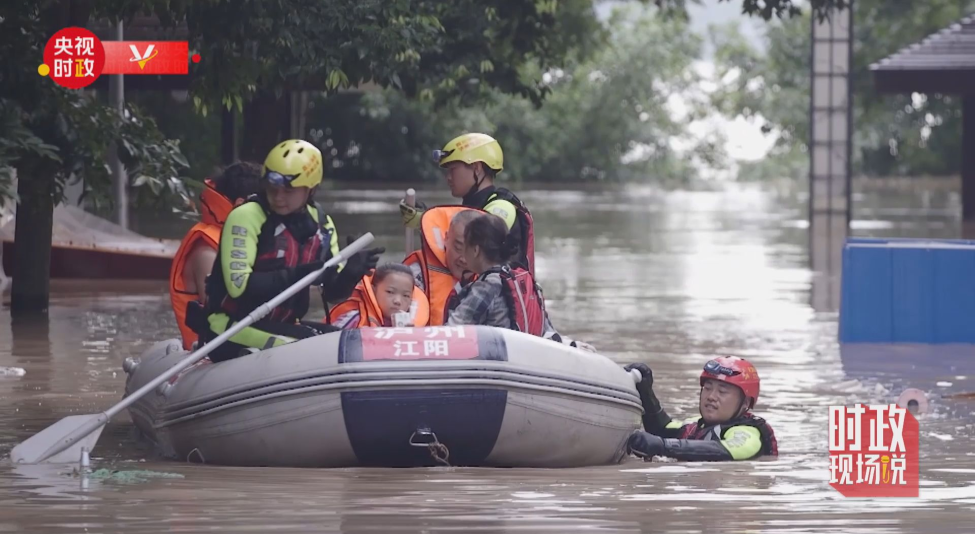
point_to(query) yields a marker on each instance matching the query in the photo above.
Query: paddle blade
(42, 447)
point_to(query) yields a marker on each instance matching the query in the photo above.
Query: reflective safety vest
(364, 301)
(214, 210)
(699, 430)
(526, 254)
(277, 248)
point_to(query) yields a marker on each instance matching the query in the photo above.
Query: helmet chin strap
(742, 406)
(477, 182)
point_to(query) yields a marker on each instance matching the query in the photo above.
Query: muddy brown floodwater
(666, 278)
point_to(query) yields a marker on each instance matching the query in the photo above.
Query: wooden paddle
(63, 441)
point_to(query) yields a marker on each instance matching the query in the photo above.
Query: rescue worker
(503, 295)
(439, 266)
(194, 258)
(375, 300)
(470, 163)
(269, 243)
(726, 430)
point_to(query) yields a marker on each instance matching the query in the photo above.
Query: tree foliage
(893, 134)
(63, 134)
(426, 48)
(767, 9)
(606, 117)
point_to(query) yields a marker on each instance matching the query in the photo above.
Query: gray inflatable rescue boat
(393, 397)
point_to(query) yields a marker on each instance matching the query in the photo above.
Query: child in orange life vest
(380, 297)
(503, 295)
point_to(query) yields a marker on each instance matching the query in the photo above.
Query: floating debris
(914, 400)
(12, 371)
(126, 477)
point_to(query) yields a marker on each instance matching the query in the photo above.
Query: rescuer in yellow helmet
(270, 242)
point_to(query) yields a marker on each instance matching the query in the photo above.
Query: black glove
(645, 445)
(364, 260)
(357, 266)
(645, 387)
(303, 270)
(320, 328)
(655, 419)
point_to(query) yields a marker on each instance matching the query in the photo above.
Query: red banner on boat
(430, 343)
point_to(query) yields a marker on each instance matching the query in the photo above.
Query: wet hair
(465, 216)
(491, 234)
(240, 180)
(387, 269)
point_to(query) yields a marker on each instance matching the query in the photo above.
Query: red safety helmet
(734, 370)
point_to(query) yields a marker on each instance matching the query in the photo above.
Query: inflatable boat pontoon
(472, 395)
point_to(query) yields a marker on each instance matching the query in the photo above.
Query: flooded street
(644, 275)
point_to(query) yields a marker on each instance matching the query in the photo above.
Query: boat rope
(439, 453)
(198, 453)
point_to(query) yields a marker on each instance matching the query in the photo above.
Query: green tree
(766, 9)
(605, 117)
(893, 134)
(51, 134)
(258, 49)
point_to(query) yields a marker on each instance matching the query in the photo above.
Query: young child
(379, 297)
(503, 295)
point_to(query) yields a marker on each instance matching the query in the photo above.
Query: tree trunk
(30, 292)
(267, 122)
(228, 136)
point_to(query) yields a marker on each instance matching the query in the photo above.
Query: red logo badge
(73, 58)
(873, 451)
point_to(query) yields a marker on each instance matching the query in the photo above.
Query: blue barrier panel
(954, 296)
(908, 291)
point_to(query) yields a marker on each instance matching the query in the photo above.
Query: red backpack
(524, 299)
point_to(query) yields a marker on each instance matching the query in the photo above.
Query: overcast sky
(745, 141)
(707, 13)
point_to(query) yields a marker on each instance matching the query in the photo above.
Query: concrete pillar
(968, 159)
(120, 181)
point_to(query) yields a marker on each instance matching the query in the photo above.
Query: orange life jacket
(364, 300)
(438, 283)
(213, 213)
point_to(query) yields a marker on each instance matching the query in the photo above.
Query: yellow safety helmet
(472, 147)
(294, 163)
